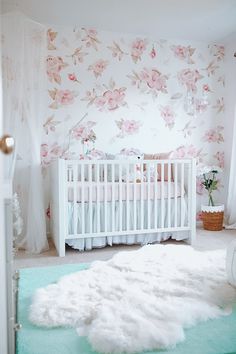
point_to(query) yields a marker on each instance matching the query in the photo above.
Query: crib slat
(90, 199)
(142, 196)
(70, 174)
(120, 197)
(127, 196)
(105, 197)
(75, 189)
(155, 194)
(189, 195)
(162, 194)
(182, 194)
(113, 196)
(169, 191)
(176, 190)
(98, 196)
(134, 198)
(82, 199)
(148, 195)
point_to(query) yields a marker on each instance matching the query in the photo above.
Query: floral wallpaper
(109, 91)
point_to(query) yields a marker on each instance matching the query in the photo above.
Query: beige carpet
(205, 240)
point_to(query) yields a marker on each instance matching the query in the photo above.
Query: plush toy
(139, 174)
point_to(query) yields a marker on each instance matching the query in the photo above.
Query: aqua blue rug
(211, 337)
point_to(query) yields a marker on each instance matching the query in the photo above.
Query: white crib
(109, 198)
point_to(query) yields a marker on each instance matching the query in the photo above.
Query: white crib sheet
(100, 193)
(97, 242)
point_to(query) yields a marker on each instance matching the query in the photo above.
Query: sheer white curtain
(231, 199)
(24, 89)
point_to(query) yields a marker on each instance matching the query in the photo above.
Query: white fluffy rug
(138, 300)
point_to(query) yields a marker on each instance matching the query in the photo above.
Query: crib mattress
(113, 191)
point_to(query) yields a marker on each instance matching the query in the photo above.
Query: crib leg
(62, 250)
(60, 245)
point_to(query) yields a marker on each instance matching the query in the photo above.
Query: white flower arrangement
(207, 169)
(209, 180)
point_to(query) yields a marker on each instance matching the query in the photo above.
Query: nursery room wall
(110, 91)
(132, 90)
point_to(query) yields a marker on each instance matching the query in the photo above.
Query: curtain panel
(24, 87)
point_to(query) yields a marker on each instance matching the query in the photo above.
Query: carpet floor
(211, 337)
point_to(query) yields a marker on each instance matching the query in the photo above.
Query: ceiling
(205, 20)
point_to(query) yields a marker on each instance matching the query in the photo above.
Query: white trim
(213, 209)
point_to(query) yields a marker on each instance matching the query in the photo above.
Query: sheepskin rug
(139, 300)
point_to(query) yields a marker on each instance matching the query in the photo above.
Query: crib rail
(124, 197)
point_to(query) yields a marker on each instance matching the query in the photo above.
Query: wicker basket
(213, 219)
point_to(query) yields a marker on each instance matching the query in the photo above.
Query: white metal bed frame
(73, 174)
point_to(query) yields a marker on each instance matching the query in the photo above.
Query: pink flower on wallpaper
(116, 50)
(150, 81)
(217, 51)
(221, 80)
(199, 216)
(211, 68)
(188, 151)
(50, 124)
(110, 100)
(73, 77)
(61, 98)
(154, 79)
(90, 38)
(220, 157)
(199, 186)
(214, 135)
(95, 154)
(189, 79)
(84, 132)
(137, 49)
(56, 150)
(49, 153)
(98, 67)
(180, 153)
(51, 36)
(168, 115)
(100, 102)
(153, 53)
(206, 88)
(54, 66)
(131, 152)
(183, 53)
(48, 212)
(128, 127)
(188, 129)
(201, 105)
(68, 155)
(220, 105)
(114, 99)
(44, 150)
(78, 55)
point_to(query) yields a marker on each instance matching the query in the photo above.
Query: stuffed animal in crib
(139, 175)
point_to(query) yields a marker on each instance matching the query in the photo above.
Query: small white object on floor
(231, 262)
(140, 300)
